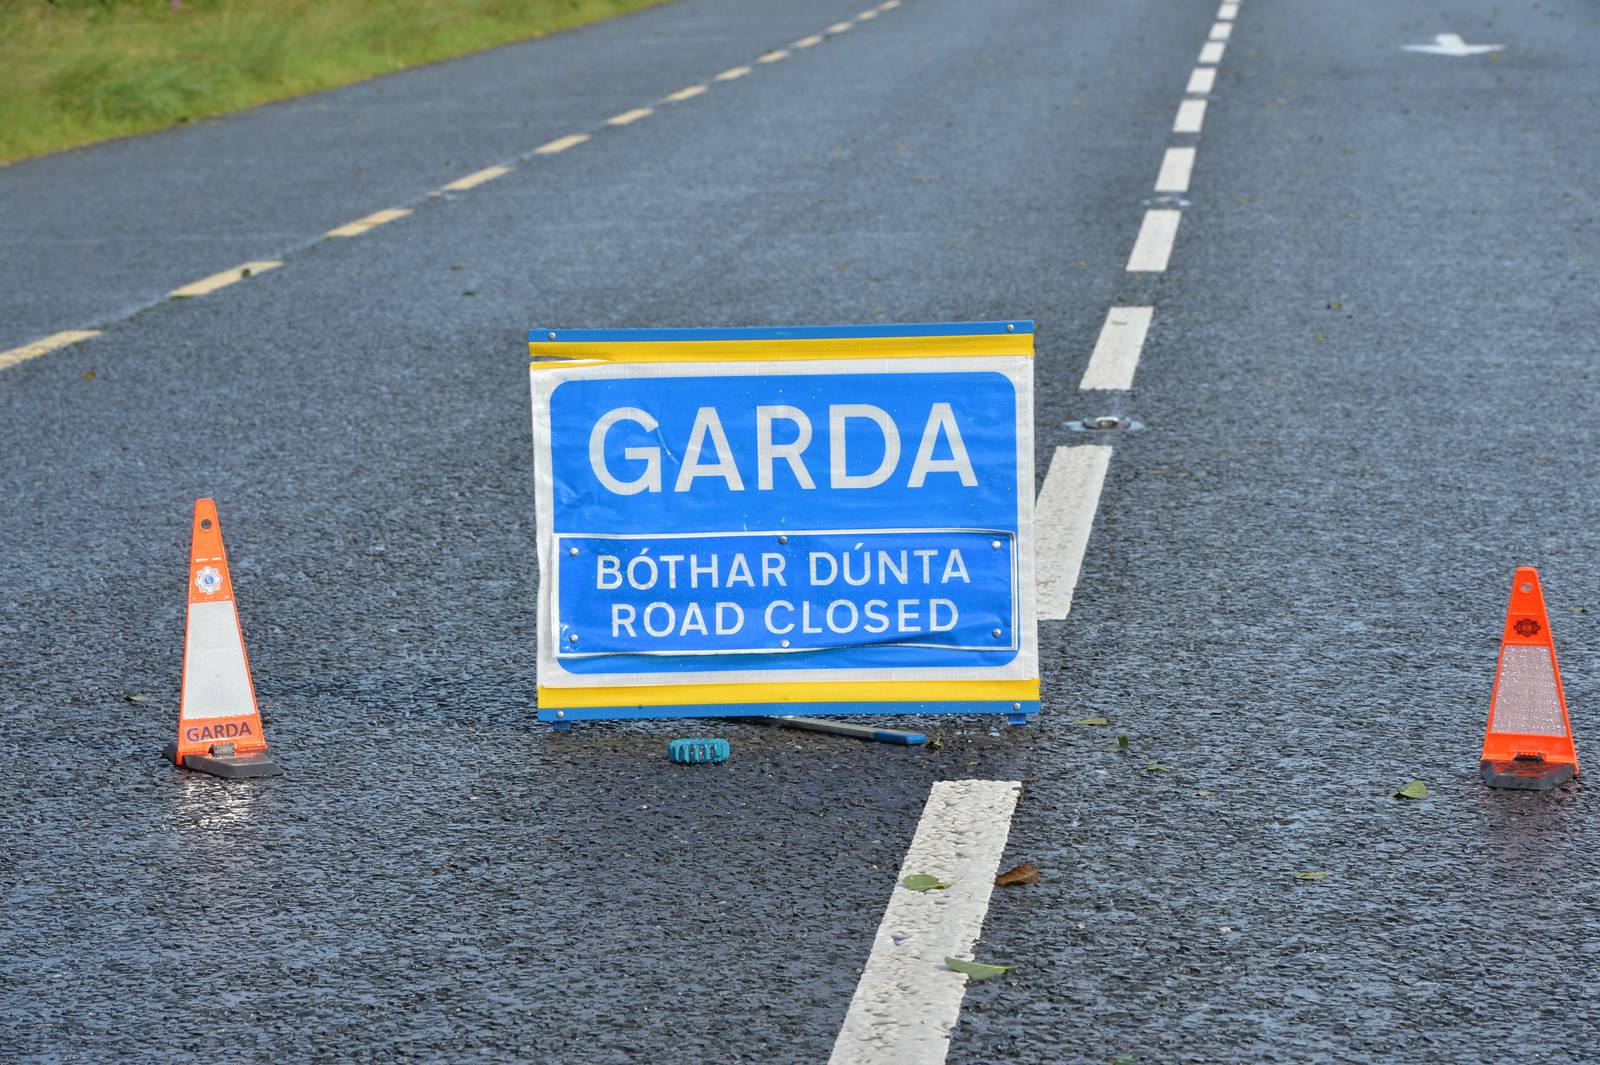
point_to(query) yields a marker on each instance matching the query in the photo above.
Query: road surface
(1365, 396)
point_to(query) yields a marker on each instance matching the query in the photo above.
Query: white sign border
(546, 378)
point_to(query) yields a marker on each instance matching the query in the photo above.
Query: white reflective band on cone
(1526, 701)
(216, 679)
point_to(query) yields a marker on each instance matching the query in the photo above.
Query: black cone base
(1525, 775)
(229, 767)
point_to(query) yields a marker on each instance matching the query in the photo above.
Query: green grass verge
(77, 71)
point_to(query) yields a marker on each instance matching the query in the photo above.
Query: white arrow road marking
(1452, 44)
(907, 1001)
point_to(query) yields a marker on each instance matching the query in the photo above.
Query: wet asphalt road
(1368, 397)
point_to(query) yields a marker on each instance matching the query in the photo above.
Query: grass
(77, 71)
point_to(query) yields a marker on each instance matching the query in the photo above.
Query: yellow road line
(839, 27)
(50, 343)
(773, 57)
(686, 94)
(372, 221)
(729, 75)
(924, 691)
(561, 144)
(472, 181)
(207, 285)
(629, 117)
(807, 42)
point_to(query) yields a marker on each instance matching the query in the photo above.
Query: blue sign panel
(827, 455)
(820, 514)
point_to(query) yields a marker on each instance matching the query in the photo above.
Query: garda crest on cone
(219, 727)
(1528, 743)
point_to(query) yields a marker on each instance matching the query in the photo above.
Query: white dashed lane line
(1202, 81)
(1191, 116)
(1176, 167)
(1221, 31)
(907, 1000)
(1153, 247)
(1116, 353)
(1211, 52)
(1063, 518)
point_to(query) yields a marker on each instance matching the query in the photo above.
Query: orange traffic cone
(1528, 743)
(219, 728)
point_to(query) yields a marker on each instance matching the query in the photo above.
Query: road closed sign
(821, 520)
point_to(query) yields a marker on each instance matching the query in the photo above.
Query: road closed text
(785, 592)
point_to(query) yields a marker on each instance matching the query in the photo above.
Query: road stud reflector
(1528, 742)
(219, 727)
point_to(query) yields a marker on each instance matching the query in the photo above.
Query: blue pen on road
(845, 728)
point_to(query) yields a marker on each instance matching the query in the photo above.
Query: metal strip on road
(907, 1001)
(1116, 353)
(1063, 518)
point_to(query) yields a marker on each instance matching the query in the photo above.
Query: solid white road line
(1202, 81)
(907, 1001)
(1211, 52)
(1153, 246)
(1176, 166)
(1062, 519)
(207, 285)
(1228, 12)
(1116, 353)
(1221, 31)
(1191, 116)
(44, 346)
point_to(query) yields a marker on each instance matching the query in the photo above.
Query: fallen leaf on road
(925, 882)
(1414, 790)
(976, 970)
(135, 698)
(1026, 873)
(1310, 876)
(1122, 743)
(1092, 721)
(1155, 767)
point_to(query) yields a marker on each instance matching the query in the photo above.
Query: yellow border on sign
(770, 350)
(822, 691)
